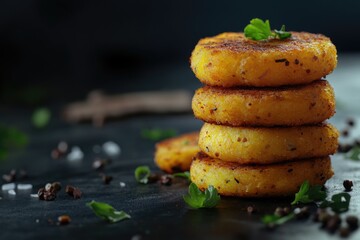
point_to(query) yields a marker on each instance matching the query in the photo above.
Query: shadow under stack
(264, 105)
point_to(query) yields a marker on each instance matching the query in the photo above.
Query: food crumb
(24, 187)
(111, 149)
(12, 192)
(75, 155)
(8, 186)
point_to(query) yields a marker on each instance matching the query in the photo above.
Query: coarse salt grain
(122, 184)
(111, 149)
(34, 195)
(24, 186)
(12, 192)
(8, 186)
(75, 155)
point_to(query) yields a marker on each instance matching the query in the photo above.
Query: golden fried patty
(230, 59)
(176, 154)
(285, 106)
(247, 145)
(285, 179)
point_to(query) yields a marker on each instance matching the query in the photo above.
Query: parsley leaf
(260, 30)
(107, 212)
(309, 194)
(142, 174)
(11, 138)
(354, 153)
(183, 175)
(282, 34)
(339, 202)
(273, 219)
(198, 199)
(157, 134)
(41, 117)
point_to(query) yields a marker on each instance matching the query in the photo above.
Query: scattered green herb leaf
(142, 174)
(41, 117)
(11, 138)
(198, 199)
(260, 30)
(107, 212)
(157, 134)
(354, 153)
(282, 34)
(339, 202)
(276, 219)
(309, 194)
(183, 175)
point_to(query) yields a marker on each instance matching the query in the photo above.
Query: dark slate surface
(158, 212)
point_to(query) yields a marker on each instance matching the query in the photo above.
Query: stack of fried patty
(264, 106)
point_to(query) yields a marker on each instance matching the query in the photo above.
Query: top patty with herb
(230, 59)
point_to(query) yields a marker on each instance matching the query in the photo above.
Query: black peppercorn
(348, 184)
(352, 222)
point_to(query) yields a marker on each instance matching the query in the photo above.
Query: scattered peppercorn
(73, 191)
(352, 221)
(48, 193)
(64, 220)
(107, 179)
(251, 209)
(10, 177)
(56, 186)
(279, 211)
(63, 147)
(333, 223)
(302, 213)
(166, 180)
(55, 154)
(60, 150)
(49, 196)
(350, 122)
(153, 178)
(345, 133)
(344, 148)
(41, 193)
(99, 164)
(348, 184)
(344, 232)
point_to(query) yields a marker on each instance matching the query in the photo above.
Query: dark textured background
(80, 45)
(53, 52)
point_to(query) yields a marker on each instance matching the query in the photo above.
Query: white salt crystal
(24, 186)
(111, 149)
(122, 184)
(75, 155)
(8, 186)
(12, 192)
(34, 195)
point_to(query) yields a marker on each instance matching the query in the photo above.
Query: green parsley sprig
(157, 134)
(142, 174)
(198, 199)
(260, 30)
(339, 202)
(308, 194)
(183, 175)
(11, 138)
(107, 212)
(354, 153)
(275, 220)
(41, 117)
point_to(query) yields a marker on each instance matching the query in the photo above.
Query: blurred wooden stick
(98, 106)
